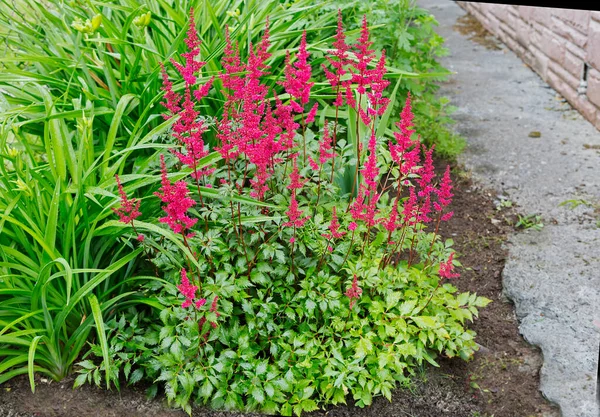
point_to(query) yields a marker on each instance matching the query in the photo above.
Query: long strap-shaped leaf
(101, 335)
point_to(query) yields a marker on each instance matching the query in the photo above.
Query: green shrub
(283, 291)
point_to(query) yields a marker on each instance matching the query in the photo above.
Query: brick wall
(556, 43)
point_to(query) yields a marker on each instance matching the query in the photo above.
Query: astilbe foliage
(316, 294)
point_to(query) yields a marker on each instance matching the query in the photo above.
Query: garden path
(530, 146)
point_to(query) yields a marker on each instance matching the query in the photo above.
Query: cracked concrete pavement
(552, 275)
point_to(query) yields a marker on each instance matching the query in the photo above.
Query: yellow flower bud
(96, 22)
(143, 20)
(22, 186)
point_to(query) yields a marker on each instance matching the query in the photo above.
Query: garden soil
(501, 380)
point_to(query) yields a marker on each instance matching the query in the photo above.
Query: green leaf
(30, 361)
(80, 380)
(363, 347)
(136, 376)
(258, 394)
(425, 322)
(97, 312)
(481, 302)
(407, 307)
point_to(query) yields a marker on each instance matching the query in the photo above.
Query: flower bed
(301, 254)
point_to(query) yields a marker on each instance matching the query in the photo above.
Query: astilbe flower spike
(354, 292)
(187, 289)
(188, 129)
(325, 149)
(177, 202)
(130, 208)
(447, 268)
(444, 193)
(370, 171)
(334, 227)
(297, 78)
(296, 181)
(405, 152)
(427, 174)
(191, 66)
(338, 59)
(377, 103)
(294, 215)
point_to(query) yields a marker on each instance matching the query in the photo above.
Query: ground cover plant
(301, 255)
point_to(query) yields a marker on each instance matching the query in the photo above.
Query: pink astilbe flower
(188, 129)
(130, 208)
(296, 181)
(313, 164)
(338, 59)
(213, 309)
(361, 76)
(370, 171)
(364, 206)
(294, 215)
(364, 56)
(310, 117)
(172, 98)
(410, 209)
(354, 292)
(358, 206)
(444, 193)
(391, 223)
(177, 202)
(352, 226)
(187, 289)
(427, 174)
(377, 103)
(424, 210)
(325, 148)
(401, 152)
(447, 268)
(334, 227)
(191, 66)
(297, 76)
(231, 77)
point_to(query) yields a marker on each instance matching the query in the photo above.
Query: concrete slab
(552, 275)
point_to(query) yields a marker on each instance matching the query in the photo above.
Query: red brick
(593, 45)
(593, 87)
